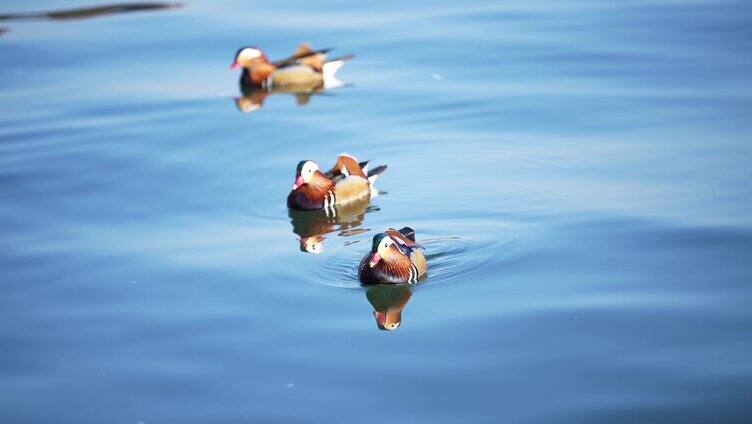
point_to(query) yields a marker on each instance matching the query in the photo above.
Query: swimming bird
(348, 181)
(395, 258)
(305, 69)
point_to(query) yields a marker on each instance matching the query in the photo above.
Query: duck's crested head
(248, 56)
(304, 173)
(383, 248)
(376, 240)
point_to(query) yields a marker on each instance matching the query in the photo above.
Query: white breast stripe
(330, 202)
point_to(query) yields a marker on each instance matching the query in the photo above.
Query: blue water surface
(579, 173)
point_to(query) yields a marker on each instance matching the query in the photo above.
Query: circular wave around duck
(454, 253)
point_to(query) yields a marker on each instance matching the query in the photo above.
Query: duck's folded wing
(336, 173)
(401, 239)
(301, 53)
(347, 165)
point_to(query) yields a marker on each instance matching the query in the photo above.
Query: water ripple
(467, 251)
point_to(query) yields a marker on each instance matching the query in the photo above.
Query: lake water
(579, 173)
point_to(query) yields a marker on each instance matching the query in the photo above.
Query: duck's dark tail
(331, 66)
(374, 173)
(408, 232)
(343, 58)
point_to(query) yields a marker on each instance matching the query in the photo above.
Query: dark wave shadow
(90, 12)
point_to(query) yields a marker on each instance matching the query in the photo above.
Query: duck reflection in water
(253, 97)
(312, 226)
(305, 73)
(388, 302)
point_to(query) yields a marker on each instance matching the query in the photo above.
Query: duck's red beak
(298, 182)
(375, 258)
(234, 65)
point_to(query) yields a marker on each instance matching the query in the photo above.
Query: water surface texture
(579, 173)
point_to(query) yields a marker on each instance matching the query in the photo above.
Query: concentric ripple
(455, 253)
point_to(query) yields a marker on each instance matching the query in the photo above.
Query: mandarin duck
(394, 259)
(388, 303)
(348, 181)
(305, 70)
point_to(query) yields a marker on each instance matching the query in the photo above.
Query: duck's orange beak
(234, 65)
(298, 182)
(375, 258)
